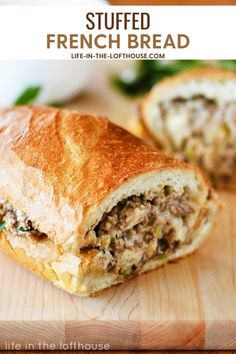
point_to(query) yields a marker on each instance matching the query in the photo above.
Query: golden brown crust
(211, 82)
(100, 280)
(59, 164)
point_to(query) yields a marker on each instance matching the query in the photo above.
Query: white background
(211, 30)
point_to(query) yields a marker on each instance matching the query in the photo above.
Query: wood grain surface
(190, 304)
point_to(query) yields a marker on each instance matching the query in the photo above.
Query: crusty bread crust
(92, 283)
(211, 83)
(64, 170)
(60, 165)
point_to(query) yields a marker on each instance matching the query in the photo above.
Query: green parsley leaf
(141, 76)
(29, 95)
(227, 64)
(145, 73)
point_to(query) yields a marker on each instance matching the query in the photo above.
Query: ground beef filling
(17, 223)
(137, 229)
(142, 227)
(203, 132)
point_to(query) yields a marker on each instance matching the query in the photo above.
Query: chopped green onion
(191, 153)
(157, 230)
(112, 240)
(2, 225)
(126, 271)
(98, 233)
(144, 198)
(22, 229)
(224, 128)
(162, 257)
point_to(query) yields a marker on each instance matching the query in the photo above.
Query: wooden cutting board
(190, 304)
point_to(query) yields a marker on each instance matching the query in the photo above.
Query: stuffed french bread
(193, 116)
(86, 205)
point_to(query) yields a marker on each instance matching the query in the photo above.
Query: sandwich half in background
(86, 205)
(193, 116)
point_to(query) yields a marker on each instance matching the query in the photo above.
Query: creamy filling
(203, 132)
(17, 223)
(137, 229)
(140, 228)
